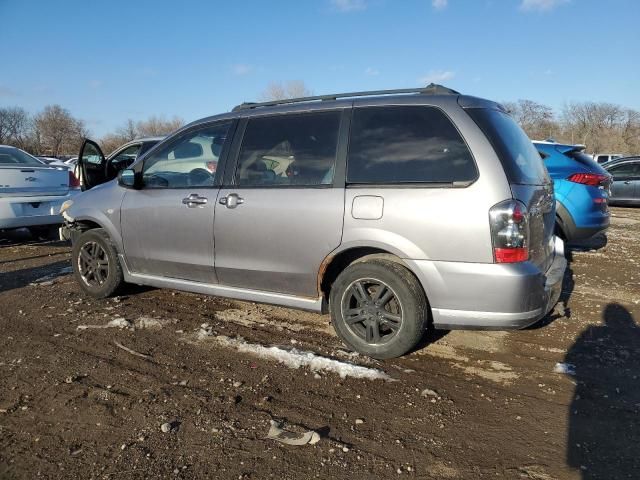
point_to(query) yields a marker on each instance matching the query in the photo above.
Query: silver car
(625, 187)
(32, 192)
(392, 210)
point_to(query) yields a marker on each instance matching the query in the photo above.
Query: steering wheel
(199, 177)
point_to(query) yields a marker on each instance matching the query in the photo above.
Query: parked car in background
(625, 189)
(54, 162)
(31, 192)
(581, 189)
(93, 168)
(602, 158)
(395, 210)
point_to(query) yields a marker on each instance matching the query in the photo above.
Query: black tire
(90, 273)
(408, 303)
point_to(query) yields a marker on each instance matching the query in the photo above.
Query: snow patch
(141, 323)
(296, 358)
(48, 279)
(115, 323)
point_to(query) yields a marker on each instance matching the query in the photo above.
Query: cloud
(94, 84)
(8, 92)
(349, 5)
(541, 5)
(439, 4)
(371, 72)
(436, 76)
(241, 69)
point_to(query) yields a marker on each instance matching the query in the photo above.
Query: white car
(54, 162)
(603, 158)
(31, 193)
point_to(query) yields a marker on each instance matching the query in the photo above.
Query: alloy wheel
(372, 310)
(93, 264)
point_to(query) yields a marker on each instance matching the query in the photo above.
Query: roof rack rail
(431, 89)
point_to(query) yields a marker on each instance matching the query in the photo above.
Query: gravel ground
(560, 400)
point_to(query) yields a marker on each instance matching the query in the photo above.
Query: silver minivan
(393, 211)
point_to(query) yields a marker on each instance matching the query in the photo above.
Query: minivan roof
(432, 94)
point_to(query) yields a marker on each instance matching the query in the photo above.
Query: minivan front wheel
(95, 264)
(378, 308)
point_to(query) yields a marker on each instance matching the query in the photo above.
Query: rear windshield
(586, 160)
(520, 159)
(15, 156)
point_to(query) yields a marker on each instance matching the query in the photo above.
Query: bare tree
(15, 126)
(58, 131)
(157, 126)
(128, 132)
(596, 124)
(536, 119)
(152, 127)
(291, 89)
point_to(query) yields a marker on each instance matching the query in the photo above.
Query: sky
(113, 60)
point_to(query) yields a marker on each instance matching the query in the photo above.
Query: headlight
(65, 206)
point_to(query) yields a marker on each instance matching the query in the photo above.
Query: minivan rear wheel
(379, 308)
(95, 264)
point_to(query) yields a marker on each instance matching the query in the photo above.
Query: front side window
(191, 160)
(287, 150)
(128, 155)
(413, 144)
(625, 171)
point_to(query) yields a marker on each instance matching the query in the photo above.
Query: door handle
(231, 201)
(627, 182)
(194, 200)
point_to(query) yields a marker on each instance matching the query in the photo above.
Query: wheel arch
(337, 261)
(83, 223)
(564, 221)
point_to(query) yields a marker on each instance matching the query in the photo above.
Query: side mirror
(127, 178)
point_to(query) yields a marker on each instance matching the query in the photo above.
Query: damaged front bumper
(70, 229)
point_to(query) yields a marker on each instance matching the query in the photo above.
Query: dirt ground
(467, 405)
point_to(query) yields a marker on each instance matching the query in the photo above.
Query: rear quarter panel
(424, 223)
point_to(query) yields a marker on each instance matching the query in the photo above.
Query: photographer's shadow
(604, 416)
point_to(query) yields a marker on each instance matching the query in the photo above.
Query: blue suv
(581, 190)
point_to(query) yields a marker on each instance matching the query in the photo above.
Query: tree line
(55, 131)
(602, 127)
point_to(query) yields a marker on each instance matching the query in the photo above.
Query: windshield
(520, 159)
(15, 156)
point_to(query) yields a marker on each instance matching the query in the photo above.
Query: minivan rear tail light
(73, 180)
(509, 232)
(591, 179)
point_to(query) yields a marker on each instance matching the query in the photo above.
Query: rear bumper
(490, 296)
(17, 212)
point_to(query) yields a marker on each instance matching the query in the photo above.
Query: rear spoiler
(570, 148)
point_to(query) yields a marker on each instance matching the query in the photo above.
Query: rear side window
(407, 144)
(292, 149)
(520, 159)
